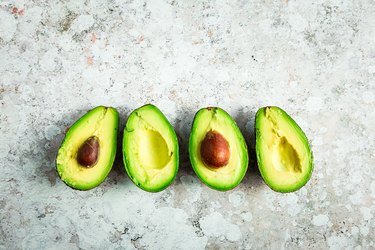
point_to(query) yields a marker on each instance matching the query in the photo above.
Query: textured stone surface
(316, 59)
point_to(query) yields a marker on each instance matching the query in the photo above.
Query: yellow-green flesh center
(284, 156)
(153, 150)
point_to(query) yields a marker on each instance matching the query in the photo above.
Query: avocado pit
(215, 150)
(88, 153)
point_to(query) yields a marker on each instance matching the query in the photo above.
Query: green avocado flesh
(230, 175)
(284, 156)
(101, 123)
(150, 149)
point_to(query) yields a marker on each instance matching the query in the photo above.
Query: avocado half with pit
(217, 149)
(88, 150)
(284, 156)
(150, 149)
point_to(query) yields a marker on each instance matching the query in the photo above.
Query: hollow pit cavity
(153, 150)
(285, 157)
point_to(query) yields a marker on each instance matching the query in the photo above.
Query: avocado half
(150, 149)
(284, 156)
(217, 149)
(88, 150)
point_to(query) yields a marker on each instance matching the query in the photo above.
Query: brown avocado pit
(215, 150)
(88, 153)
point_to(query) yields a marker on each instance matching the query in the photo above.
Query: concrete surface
(315, 59)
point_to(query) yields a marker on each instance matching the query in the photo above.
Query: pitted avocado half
(284, 156)
(88, 150)
(150, 149)
(217, 149)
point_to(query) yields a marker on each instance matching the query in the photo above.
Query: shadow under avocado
(182, 128)
(48, 169)
(118, 172)
(246, 122)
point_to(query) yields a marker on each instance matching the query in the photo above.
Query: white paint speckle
(297, 22)
(364, 230)
(47, 62)
(215, 205)
(314, 104)
(168, 221)
(336, 183)
(81, 23)
(215, 225)
(323, 130)
(169, 107)
(317, 141)
(247, 216)
(293, 208)
(338, 192)
(8, 26)
(349, 207)
(320, 220)
(265, 25)
(366, 212)
(372, 189)
(51, 131)
(356, 198)
(237, 198)
(337, 242)
(291, 198)
(354, 63)
(356, 177)
(354, 230)
(368, 97)
(323, 195)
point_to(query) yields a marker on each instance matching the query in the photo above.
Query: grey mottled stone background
(315, 59)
